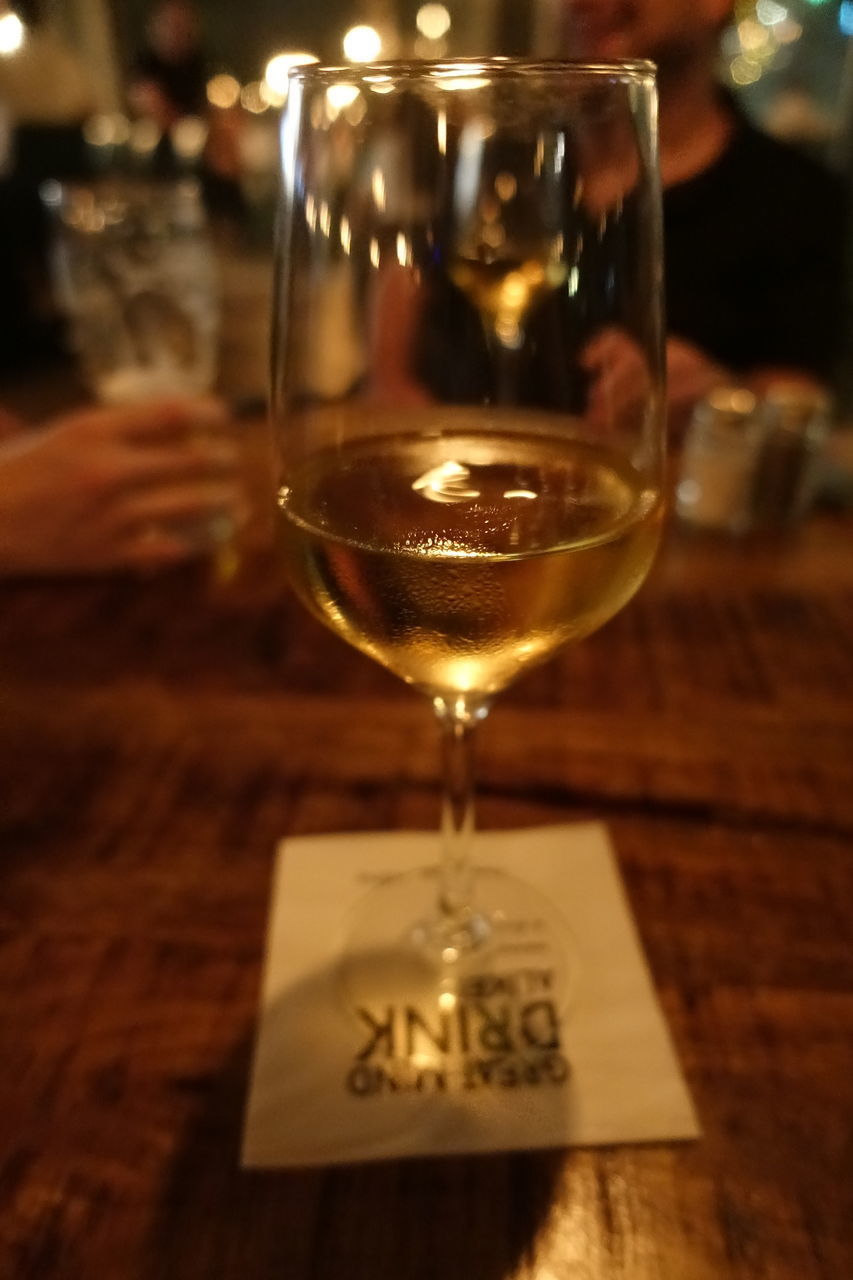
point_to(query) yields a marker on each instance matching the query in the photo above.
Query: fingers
(172, 420)
(117, 452)
(620, 378)
(104, 489)
(691, 373)
(169, 481)
(191, 459)
(178, 503)
(161, 533)
(165, 526)
(600, 350)
(153, 548)
(152, 422)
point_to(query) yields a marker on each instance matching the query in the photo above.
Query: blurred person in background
(753, 229)
(170, 73)
(168, 84)
(138, 487)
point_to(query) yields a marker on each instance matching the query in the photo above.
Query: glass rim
(637, 69)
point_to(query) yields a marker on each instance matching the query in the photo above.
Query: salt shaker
(719, 460)
(796, 424)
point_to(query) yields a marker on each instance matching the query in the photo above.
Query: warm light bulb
(223, 91)
(362, 44)
(144, 137)
(277, 70)
(106, 130)
(339, 97)
(189, 135)
(252, 98)
(12, 33)
(433, 21)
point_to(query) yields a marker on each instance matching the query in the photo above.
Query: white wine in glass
(468, 400)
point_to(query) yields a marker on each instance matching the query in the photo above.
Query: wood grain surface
(157, 737)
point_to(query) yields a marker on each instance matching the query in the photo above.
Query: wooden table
(158, 737)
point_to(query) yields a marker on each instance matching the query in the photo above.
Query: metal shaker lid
(727, 407)
(795, 407)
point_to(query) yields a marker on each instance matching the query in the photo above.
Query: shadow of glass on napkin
(454, 1217)
(331, 1084)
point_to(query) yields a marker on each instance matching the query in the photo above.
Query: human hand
(398, 303)
(691, 375)
(133, 487)
(620, 380)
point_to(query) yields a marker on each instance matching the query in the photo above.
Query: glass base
(512, 953)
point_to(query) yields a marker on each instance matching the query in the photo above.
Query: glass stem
(458, 719)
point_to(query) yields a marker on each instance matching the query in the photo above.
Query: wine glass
(468, 405)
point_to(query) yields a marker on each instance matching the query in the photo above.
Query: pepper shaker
(796, 424)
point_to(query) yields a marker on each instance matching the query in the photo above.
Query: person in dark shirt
(753, 244)
(170, 73)
(753, 230)
(754, 256)
(169, 83)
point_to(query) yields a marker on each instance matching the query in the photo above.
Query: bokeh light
(339, 97)
(189, 136)
(106, 130)
(362, 44)
(12, 34)
(769, 12)
(223, 91)
(144, 137)
(253, 99)
(433, 21)
(745, 71)
(277, 70)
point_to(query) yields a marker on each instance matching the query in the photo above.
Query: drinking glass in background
(135, 275)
